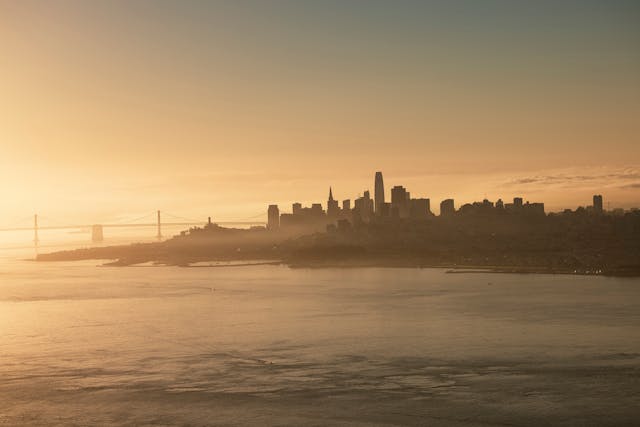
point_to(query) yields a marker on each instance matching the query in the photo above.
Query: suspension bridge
(38, 223)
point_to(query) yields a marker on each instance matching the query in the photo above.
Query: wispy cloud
(624, 178)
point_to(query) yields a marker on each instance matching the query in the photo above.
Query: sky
(116, 108)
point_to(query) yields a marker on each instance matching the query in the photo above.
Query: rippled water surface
(269, 345)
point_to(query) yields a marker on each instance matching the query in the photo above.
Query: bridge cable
(183, 218)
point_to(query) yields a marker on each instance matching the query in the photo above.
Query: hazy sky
(121, 107)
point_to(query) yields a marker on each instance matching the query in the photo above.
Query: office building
(419, 208)
(597, 203)
(273, 217)
(447, 207)
(379, 193)
(400, 202)
(363, 207)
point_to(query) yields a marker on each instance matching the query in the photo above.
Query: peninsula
(503, 237)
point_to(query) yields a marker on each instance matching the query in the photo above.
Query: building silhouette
(597, 203)
(316, 210)
(400, 201)
(363, 207)
(401, 208)
(385, 210)
(419, 208)
(447, 207)
(273, 217)
(333, 209)
(534, 208)
(379, 193)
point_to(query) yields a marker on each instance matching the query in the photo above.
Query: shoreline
(469, 269)
(199, 256)
(450, 268)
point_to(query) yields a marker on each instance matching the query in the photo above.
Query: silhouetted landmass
(579, 242)
(508, 237)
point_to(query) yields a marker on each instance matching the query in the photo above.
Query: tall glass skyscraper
(379, 193)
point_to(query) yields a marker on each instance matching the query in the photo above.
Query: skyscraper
(447, 207)
(400, 202)
(364, 207)
(379, 193)
(273, 217)
(597, 203)
(419, 208)
(333, 209)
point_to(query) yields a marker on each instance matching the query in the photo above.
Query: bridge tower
(35, 229)
(159, 235)
(97, 234)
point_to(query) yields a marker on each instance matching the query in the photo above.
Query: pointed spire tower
(333, 210)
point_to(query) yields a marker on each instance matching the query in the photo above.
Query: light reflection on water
(271, 345)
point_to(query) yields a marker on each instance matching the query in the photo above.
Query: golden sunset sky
(112, 108)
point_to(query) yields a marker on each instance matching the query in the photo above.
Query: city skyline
(402, 206)
(433, 206)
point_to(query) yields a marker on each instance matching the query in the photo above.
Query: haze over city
(217, 108)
